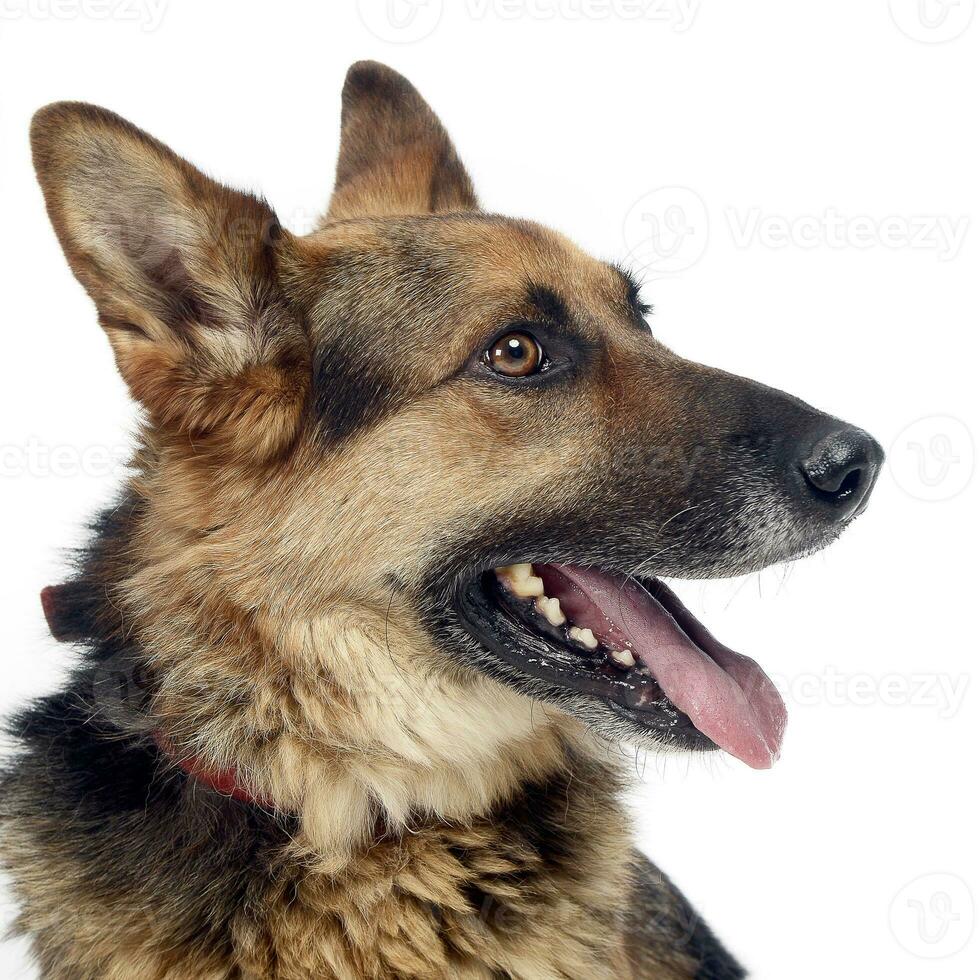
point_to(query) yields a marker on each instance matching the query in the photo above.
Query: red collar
(226, 782)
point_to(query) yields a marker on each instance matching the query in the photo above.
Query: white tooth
(528, 588)
(623, 657)
(551, 610)
(584, 636)
(521, 580)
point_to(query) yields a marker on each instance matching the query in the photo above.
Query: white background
(816, 157)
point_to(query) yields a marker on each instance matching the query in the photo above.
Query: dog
(387, 580)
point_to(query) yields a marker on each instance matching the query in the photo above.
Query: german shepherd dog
(380, 592)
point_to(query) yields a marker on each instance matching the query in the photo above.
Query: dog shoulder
(665, 938)
(153, 869)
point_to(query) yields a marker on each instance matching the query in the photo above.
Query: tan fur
(395, 156)
(138, 224)
(378, 916)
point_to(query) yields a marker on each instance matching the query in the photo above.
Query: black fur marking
(84, 612)
(653, 931)
(548, 304)
(639, 310)
(350, 388)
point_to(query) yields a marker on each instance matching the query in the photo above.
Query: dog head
(451, 426)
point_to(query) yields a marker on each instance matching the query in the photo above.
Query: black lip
(540, 653)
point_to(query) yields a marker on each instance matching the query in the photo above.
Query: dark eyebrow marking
(637, 307)
(548, 303)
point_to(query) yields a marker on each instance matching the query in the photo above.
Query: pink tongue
(727, 696)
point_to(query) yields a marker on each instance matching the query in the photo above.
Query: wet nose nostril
(851, 482)
(841, 468)
(833, 480)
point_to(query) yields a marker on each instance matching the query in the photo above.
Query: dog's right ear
(183, 274)
(395, 156)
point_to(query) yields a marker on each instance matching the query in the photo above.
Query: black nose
(841, 468)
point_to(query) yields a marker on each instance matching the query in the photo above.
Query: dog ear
(183, 274)
(395, 155)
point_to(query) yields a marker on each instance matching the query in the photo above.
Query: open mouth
(633, 645)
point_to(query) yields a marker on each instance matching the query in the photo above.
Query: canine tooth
(520, 570)
(528, 588)
(551, 610)
(623, 657)
(584, 636)
(521, 580)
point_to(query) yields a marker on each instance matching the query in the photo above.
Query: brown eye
(515, 355)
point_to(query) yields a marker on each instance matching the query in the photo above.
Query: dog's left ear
(395, 156)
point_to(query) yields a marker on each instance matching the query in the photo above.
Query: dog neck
(224, 782)
(396, 753)
(330, 717)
